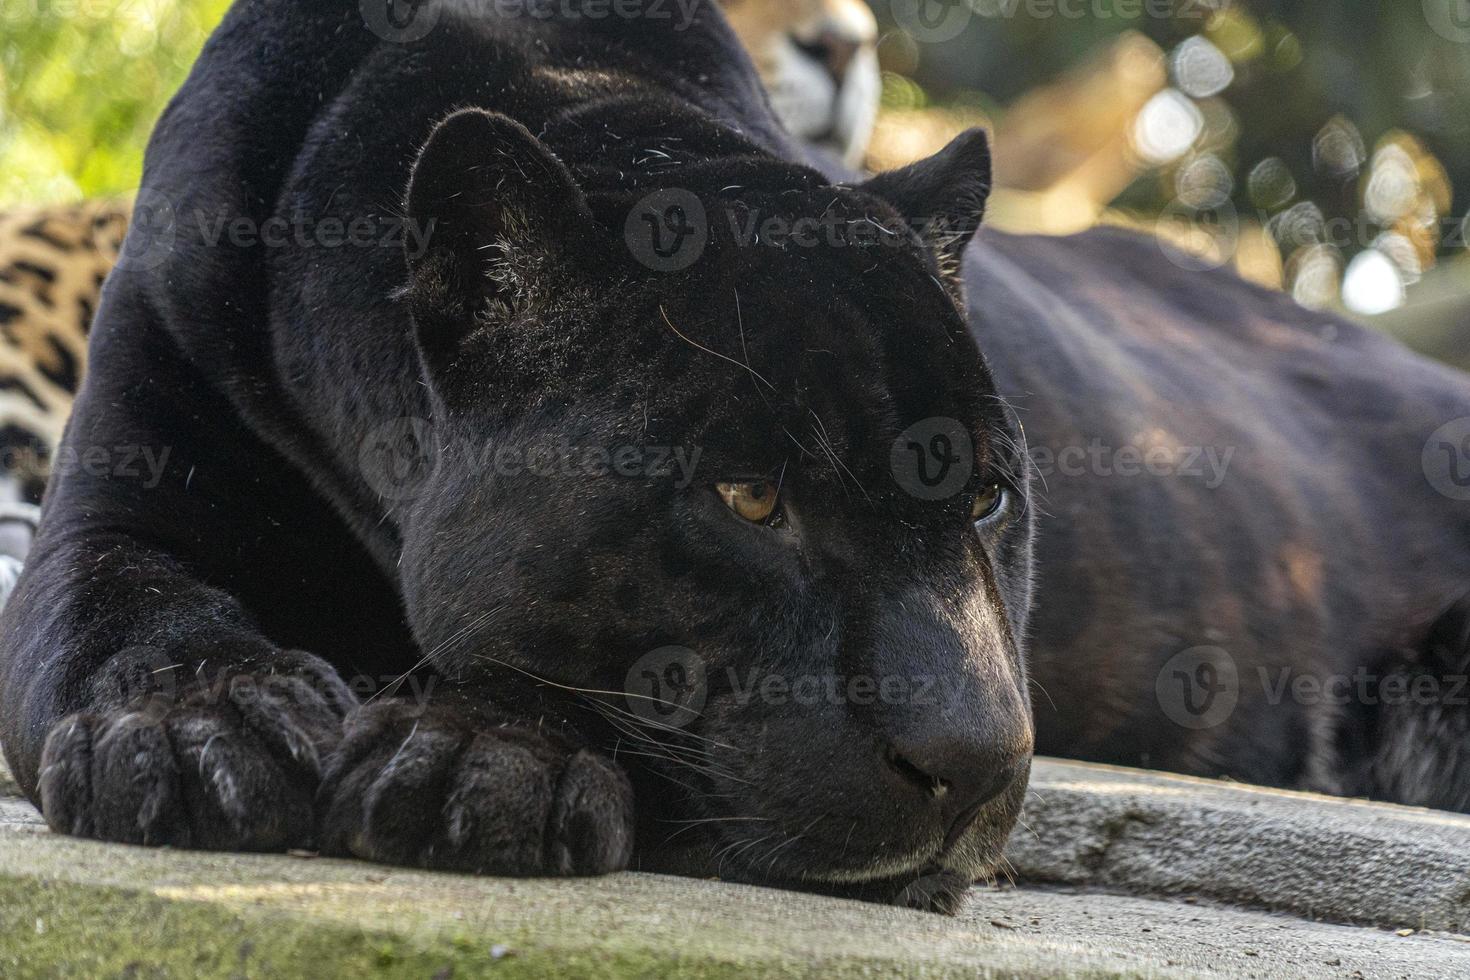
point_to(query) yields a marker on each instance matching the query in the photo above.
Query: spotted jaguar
(52, 265)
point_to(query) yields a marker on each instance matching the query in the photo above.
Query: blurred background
(1319, 147)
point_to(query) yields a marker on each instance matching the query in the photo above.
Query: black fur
(332, 413)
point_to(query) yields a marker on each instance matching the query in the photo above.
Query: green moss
(53, 929)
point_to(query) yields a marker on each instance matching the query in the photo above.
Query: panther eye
(754, 502)
(987, 502)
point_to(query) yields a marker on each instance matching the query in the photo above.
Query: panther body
(160, 686)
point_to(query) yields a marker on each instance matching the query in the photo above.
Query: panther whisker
(826, 441)
(638, 724)
(735, 855)
(443, 646)
(771, 856)
(1009, 870)
(665, 752)
(740, 325)
(775, 852)
(672, 729)
(745, 367)
(707, 771)
(1043, 690)
(569, 687)
(707, 820)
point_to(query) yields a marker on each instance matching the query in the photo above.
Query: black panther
(378, 279)
(355, 614)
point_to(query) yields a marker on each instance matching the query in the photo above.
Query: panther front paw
(235, 768)
(424, 787)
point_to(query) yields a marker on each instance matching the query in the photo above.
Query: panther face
(819, 62)
(858, 718)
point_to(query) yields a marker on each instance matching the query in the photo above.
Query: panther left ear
(497, 217)
(943, 197)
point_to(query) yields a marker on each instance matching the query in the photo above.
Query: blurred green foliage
(81, 83)
(1342, 126)
(1359, 109)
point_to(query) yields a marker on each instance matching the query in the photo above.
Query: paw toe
(66, 776)
(496, 811)
(591, 828)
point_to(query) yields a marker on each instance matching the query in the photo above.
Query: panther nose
(959, 774)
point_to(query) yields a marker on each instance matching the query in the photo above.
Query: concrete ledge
(78, 908)
(1316, 856)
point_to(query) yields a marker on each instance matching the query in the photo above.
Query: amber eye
(754, 502)
(987, 502)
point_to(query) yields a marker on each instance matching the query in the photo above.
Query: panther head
(777, 549)
(819, 62)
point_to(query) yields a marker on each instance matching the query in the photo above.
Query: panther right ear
(495, 217)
